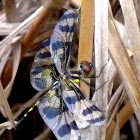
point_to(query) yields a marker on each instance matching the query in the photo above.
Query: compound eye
(81, 66)
(85, 66)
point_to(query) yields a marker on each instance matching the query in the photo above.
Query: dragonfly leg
(101, 85)
(93, 89)
(99, 73)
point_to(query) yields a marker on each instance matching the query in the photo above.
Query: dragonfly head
(86, 66)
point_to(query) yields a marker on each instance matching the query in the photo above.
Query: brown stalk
(7, 72)
(132, 29)
(115, 103)
(4, 103)
(135, 127)
(123, 116)
(86, 36)
(123, 64)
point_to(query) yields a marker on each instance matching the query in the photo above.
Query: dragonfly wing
(82, 107)
(80, 123)
(42, 71)
(58, 118)
(60, 43)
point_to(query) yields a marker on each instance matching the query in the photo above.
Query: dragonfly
(65, 105)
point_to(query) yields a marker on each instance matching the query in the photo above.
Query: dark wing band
(60, 44)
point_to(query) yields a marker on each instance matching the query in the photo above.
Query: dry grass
(109, 35)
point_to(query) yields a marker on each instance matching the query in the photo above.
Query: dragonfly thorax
(68, 77)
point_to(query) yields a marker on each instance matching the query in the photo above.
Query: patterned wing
(77, 103)
(43, 72)
(57, 117)
(60, 43)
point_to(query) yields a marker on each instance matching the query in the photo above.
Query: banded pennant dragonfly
(65, 105)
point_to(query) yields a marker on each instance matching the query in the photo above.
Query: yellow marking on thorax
(76, 80)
